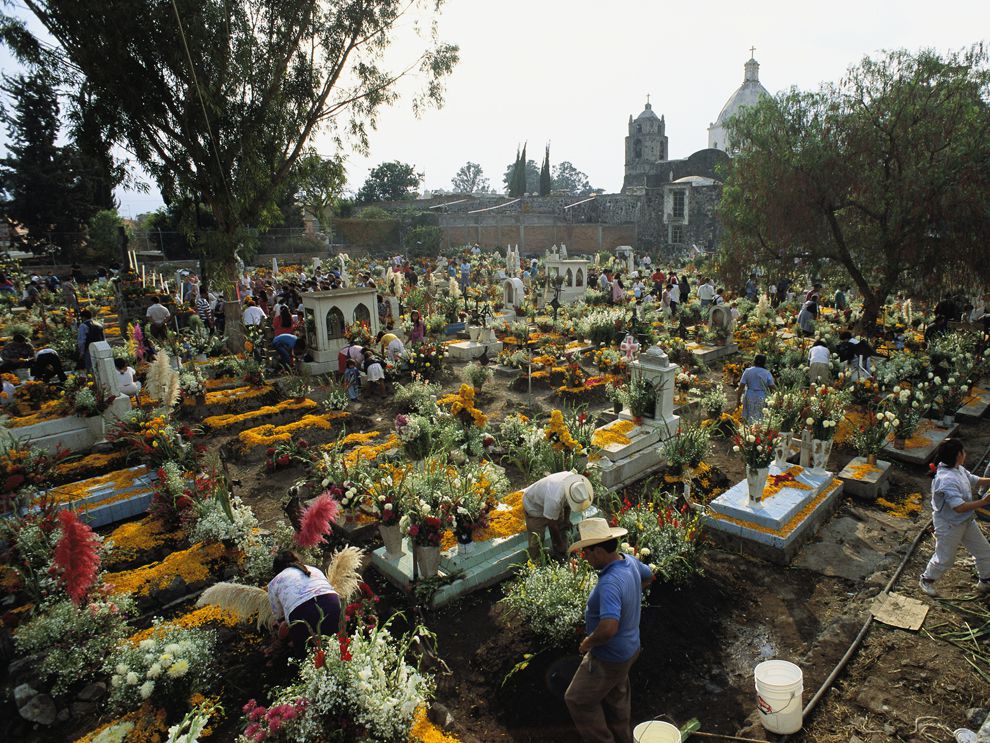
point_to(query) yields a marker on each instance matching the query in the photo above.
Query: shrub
(550, 600)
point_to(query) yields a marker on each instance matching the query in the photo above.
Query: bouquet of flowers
(687, 448)
(950, 394)
(826, 407)
(359, 333)
(425, 359)
(785, 409)
(870, 437)
(415, 433)
(907, 406)
(664, 537)
(428, 508)
(755, 443)
(192, 383)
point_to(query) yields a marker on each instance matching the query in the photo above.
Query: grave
(722, 321)
(572, 272)
(621, 464)
(488, 563)
(920, 448)
(777, 527)
(864, 480)
(73, 433)
(327, 315)
(514, 293)
(625, 254)
(102, 503)
(975, 405)
(480, 340)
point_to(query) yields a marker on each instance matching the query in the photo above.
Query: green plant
(714, 401)
(477, 375)
(640, 396)
(73, 641)
(418, 395)
(687, 448)
(664, 537)
(550, 599)
(296, 386)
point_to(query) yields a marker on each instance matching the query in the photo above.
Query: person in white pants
(954, 516)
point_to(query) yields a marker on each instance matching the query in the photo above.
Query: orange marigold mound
(424, 731)
(230, 419)
(614, 434)
(209, 614)
(192, 565)
(268, 434)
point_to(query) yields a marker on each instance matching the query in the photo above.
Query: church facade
(666, 206)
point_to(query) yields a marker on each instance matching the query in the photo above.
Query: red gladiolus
(76, 556)
(320, 658)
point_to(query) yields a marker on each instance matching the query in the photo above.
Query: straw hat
(578, 492)
(595, 531)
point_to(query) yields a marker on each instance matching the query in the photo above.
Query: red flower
(270, 451)
(13, 482)
(283, 460)
(345, 643)
(320, 658)
(76, 556)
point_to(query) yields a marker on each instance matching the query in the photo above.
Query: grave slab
(777, 510)
(929, 438)
(746, 530)
(975, 406)
(866, 481)
(710, 354)
(468, 350)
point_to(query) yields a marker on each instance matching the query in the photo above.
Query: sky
(570, 72)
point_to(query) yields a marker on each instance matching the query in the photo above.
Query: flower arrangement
(72, 642)
(664, 537)
(358, 333)
(477, 375)
(171, 663)
(640, 397)
(284, 453)
(755, 444)
(871, 435)
(83, 397)
(427, 504)
(21, 466)
(424, 359)
(192, 383)
(462, 406)
(415, 433)
(418, 395)
(356, 687)
(713, 401)
(826, 408)
(559, 435)
(907, 406)
(550, 599)
(785, 409)
(154, 439)
(296, 386)
(386, 494)
(950, 394)
(687, 448)
(336, 398)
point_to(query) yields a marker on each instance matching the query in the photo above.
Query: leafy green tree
(545, 182)
(570, 180)
(220, 99)
(531, 175)
(470, 178)
(103, 241)
(36, 177)
(319, 182)
(424, 240)
(94, 129)
(883, 174)
(391, 181)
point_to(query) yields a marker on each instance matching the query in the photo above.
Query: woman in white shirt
(125, 375)
(302, 597)
(818, 363)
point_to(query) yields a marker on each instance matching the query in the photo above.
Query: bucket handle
(769, 710)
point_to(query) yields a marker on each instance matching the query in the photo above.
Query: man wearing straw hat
(598, 697)
(548, 503)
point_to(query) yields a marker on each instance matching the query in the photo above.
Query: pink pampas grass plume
(76, 558)
(316, 520)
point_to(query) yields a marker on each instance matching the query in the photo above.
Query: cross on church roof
(647, 97)
(752, 52)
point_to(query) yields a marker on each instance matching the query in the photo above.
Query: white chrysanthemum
(179, 668)
(132, 678)
(146, 688)
(122, 669)
(154, 671)
(147, 644)
(810, 421)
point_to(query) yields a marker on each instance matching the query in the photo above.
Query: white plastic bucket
(779, 685)
(656, 731)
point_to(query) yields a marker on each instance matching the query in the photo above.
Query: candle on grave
(142, 276)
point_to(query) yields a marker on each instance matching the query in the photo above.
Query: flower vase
(427, 560)
(465, 549)
(821, 449)
(782, 450)
(871, 459)
(473, 332)
(392, 539)
(756, 483)
(805, 460)
(948, 421)
(899, 443)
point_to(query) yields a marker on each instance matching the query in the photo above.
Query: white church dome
(747, 95)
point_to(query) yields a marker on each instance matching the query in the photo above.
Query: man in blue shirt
(598, 697)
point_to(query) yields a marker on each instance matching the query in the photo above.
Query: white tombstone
(720, 320)
(105, 373)
(563, 252)
(515, 292)
(655, 367)
(574, 273)
(328, 314)
(625, 253)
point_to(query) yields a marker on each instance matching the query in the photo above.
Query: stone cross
(655, 367)
(630, 346)
(103, 368)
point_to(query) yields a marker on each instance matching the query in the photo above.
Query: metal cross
(752, 51)
(647, 98)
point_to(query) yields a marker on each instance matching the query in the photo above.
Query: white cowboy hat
(595, 531)
(578, 492)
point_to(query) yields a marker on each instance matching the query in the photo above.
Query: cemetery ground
(495, 678)
(701, 641)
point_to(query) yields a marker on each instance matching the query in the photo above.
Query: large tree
(319, 182)
(470, 178)
(530, 182)
(36, 177)
(391, 181)
(545, 181)
(219, 99)
(885, 173)
(570, 180)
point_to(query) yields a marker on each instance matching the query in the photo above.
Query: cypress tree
(545, 174)
(514, 177)
(521, 173)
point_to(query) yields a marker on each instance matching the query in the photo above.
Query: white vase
(392, 539)
(756, 483)
(473, 332)
(463, 550)
(948, 421)
(427, 561)
(782, 450)
(821, 449)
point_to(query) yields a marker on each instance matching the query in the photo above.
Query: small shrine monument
(573, 274)
(327, 317)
